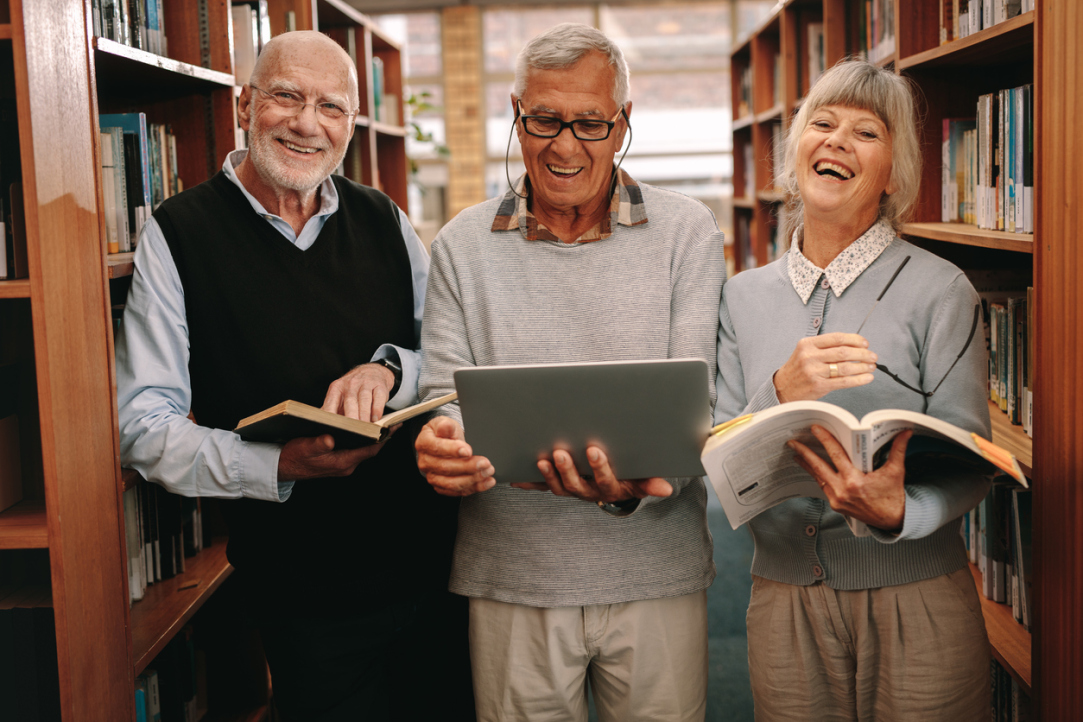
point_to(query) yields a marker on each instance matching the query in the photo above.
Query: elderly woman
(885, 626)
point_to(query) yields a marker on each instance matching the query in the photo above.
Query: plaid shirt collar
(626, 208)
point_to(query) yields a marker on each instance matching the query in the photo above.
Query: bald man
(276, 280)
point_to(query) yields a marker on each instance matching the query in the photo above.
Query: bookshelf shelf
(771, 196)
(1006, 41)
(129, 478)
(743, 202)
(970, 235)
(1009, 639)
(166, 607)
(120, 264)
(124, 71)
(24, 526)
(17, 288)
(1011, 437)
(773, 113)
(743, 122)
(5, 31)
(396, 130)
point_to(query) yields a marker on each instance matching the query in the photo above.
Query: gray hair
(564, 45)
(856, 83)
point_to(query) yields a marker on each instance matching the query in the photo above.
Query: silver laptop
(650, 417)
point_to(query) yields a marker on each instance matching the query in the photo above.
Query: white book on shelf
(109, 193)
(245, 41)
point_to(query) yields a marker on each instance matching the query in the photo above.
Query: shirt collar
(626, 208)
(328, 192)
(846, 266)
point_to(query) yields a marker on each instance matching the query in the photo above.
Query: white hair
(564, 45)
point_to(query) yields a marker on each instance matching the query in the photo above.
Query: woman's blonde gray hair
(856, 83)
(564, 45)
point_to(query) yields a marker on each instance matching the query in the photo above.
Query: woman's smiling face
(844, 165)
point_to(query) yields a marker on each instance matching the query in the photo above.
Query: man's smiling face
(568, 175)
(298, 152)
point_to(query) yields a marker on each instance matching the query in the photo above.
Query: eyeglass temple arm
(969, 338)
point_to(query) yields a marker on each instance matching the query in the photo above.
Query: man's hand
(315, 457)
(447, 461)
(563, 479)
(876, 498)
(361, 393)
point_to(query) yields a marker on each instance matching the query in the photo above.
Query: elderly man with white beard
(276, 280)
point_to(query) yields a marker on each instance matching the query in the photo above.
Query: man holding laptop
(596, 576)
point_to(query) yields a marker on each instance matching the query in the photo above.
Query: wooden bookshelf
(120, 264)
(970, 235)
(17, 288)
(1011, 437)
(1009, 639)
(169, 604)
(24, 526)
(1039, 47)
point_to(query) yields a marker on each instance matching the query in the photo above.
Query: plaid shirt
(626, 208)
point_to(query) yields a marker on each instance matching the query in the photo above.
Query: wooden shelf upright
(57, 323)
(1038, 47)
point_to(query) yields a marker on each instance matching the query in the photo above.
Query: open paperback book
(752, 469)
(293, 419)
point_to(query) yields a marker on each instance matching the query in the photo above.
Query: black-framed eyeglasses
(545, 126)
(329, 114)
(886, 370)
(927, 394)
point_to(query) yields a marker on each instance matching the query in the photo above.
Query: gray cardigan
(649, 291)
(917, 331)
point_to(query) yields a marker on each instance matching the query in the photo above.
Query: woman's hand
(822, 364)
(876, 498)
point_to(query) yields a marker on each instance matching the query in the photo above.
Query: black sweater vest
(269, 322)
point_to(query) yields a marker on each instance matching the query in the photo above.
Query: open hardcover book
(292, 419)
(752, 469)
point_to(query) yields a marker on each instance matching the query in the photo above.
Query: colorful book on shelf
(293, 419)
(752, 469)
(136, 165)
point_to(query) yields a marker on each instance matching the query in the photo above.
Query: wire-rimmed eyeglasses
(329, 114)
(545, 126)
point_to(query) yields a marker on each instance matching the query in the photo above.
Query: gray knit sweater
(917, 331)
(647, 292)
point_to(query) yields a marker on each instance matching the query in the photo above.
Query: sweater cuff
(764, 398)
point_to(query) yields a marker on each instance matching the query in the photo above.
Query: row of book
(959, 18)
(136, 23)
(1009, 702)
(1007, 299)
(168, 690)
(161, 531)
(1011, 358)
(876, 29)
(251, 31)
(998, 539)
(744, 93)
(139, 171)
(987, 163)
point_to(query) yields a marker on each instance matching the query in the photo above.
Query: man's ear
(244, 108)
(514, 106)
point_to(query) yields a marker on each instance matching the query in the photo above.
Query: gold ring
(834, 370)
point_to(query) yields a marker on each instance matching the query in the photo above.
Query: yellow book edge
(372, 429)
(1001, 458)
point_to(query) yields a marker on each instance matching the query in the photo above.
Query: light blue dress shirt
(154, 390)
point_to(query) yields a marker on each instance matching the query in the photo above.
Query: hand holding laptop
(563, 479)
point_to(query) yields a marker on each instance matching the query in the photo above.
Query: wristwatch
(619, 508)
(396, 370)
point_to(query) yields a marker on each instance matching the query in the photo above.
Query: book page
(886, 424)
(752, 469)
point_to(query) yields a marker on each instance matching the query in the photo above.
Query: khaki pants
(911, 652)
(647, 660)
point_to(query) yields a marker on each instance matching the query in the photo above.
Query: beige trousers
(646, 660)
(914, 652)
